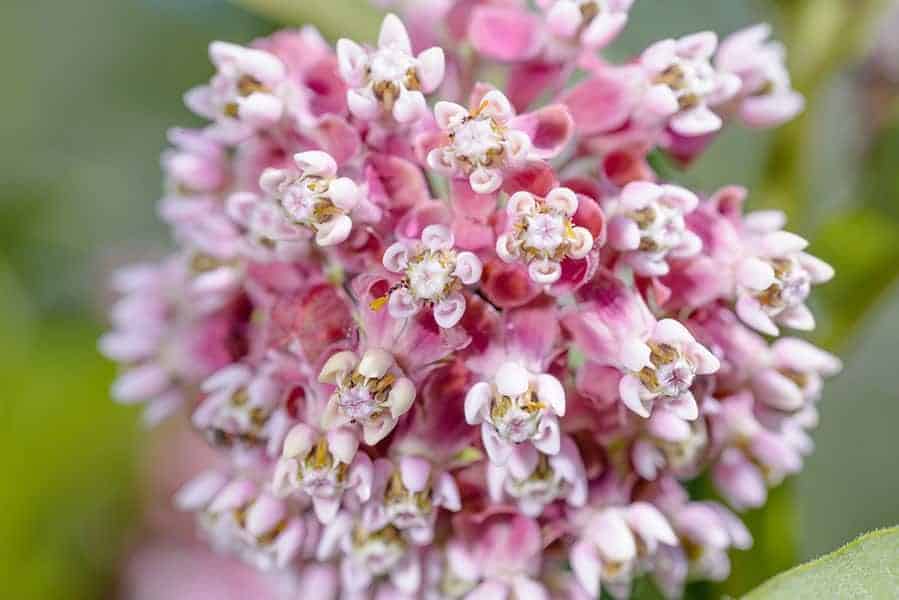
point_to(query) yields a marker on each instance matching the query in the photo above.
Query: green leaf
(865, 568)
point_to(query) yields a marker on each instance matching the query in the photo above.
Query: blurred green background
(89, 90)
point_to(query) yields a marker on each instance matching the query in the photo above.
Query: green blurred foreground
(93, 90)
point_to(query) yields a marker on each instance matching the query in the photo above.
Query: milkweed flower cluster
(456, 343)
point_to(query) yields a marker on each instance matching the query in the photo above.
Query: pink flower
(390, 79)
(647, 226)
(595, 23)
(433, 275)
(160, 344)
(614, 542)
(542, 234)
(498, 556)
(684, 85)
(246, 93)
(662, 368)
(479, 144)
(517, 406)
(196, 165)
(796, 374)
(243, 409)
(239, 519)
(313, 196)
(325, 467)
(369, 555)
(534, 480)
(766, 98)
(408, 494)
(371, 391)
(456, 356)
(776, 276)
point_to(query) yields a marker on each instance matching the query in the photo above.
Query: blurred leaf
(334, 18)
(66, 454)
(862, 248)
(865, 568)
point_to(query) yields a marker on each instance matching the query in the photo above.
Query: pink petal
(613, 537)
(587, 567)
(506, 34)
(415, 473)
(549, 129)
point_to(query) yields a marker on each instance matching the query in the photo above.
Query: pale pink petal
(468, 268)
(410, 106)
(512, 379)
(393, 35)
(604, 28)
(549, 390)
(587, 567)
(613, 537)
(448, 312)
(684, 406)
(476, 400)
(630, 389)
(437, 237)
(431, 69)
(751, 312)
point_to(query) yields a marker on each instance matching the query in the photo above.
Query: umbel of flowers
(460, 342)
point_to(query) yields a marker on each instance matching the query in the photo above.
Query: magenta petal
(506, 34)
(602, 103)
(550, 128)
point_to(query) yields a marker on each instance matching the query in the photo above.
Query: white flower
(542, 234)
(312, 195)
(433, 275)
(389, 79)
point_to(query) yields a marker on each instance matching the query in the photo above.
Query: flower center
(322, 476)
(306, 201)
(671, 374)
(543, 485)
(690, 80)
(661, 227)
(407, 509)
(516, 418)
(361, 398)
(378, 551)
(478, 141)
(430, 275)
(391, 65)
(792, 286)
